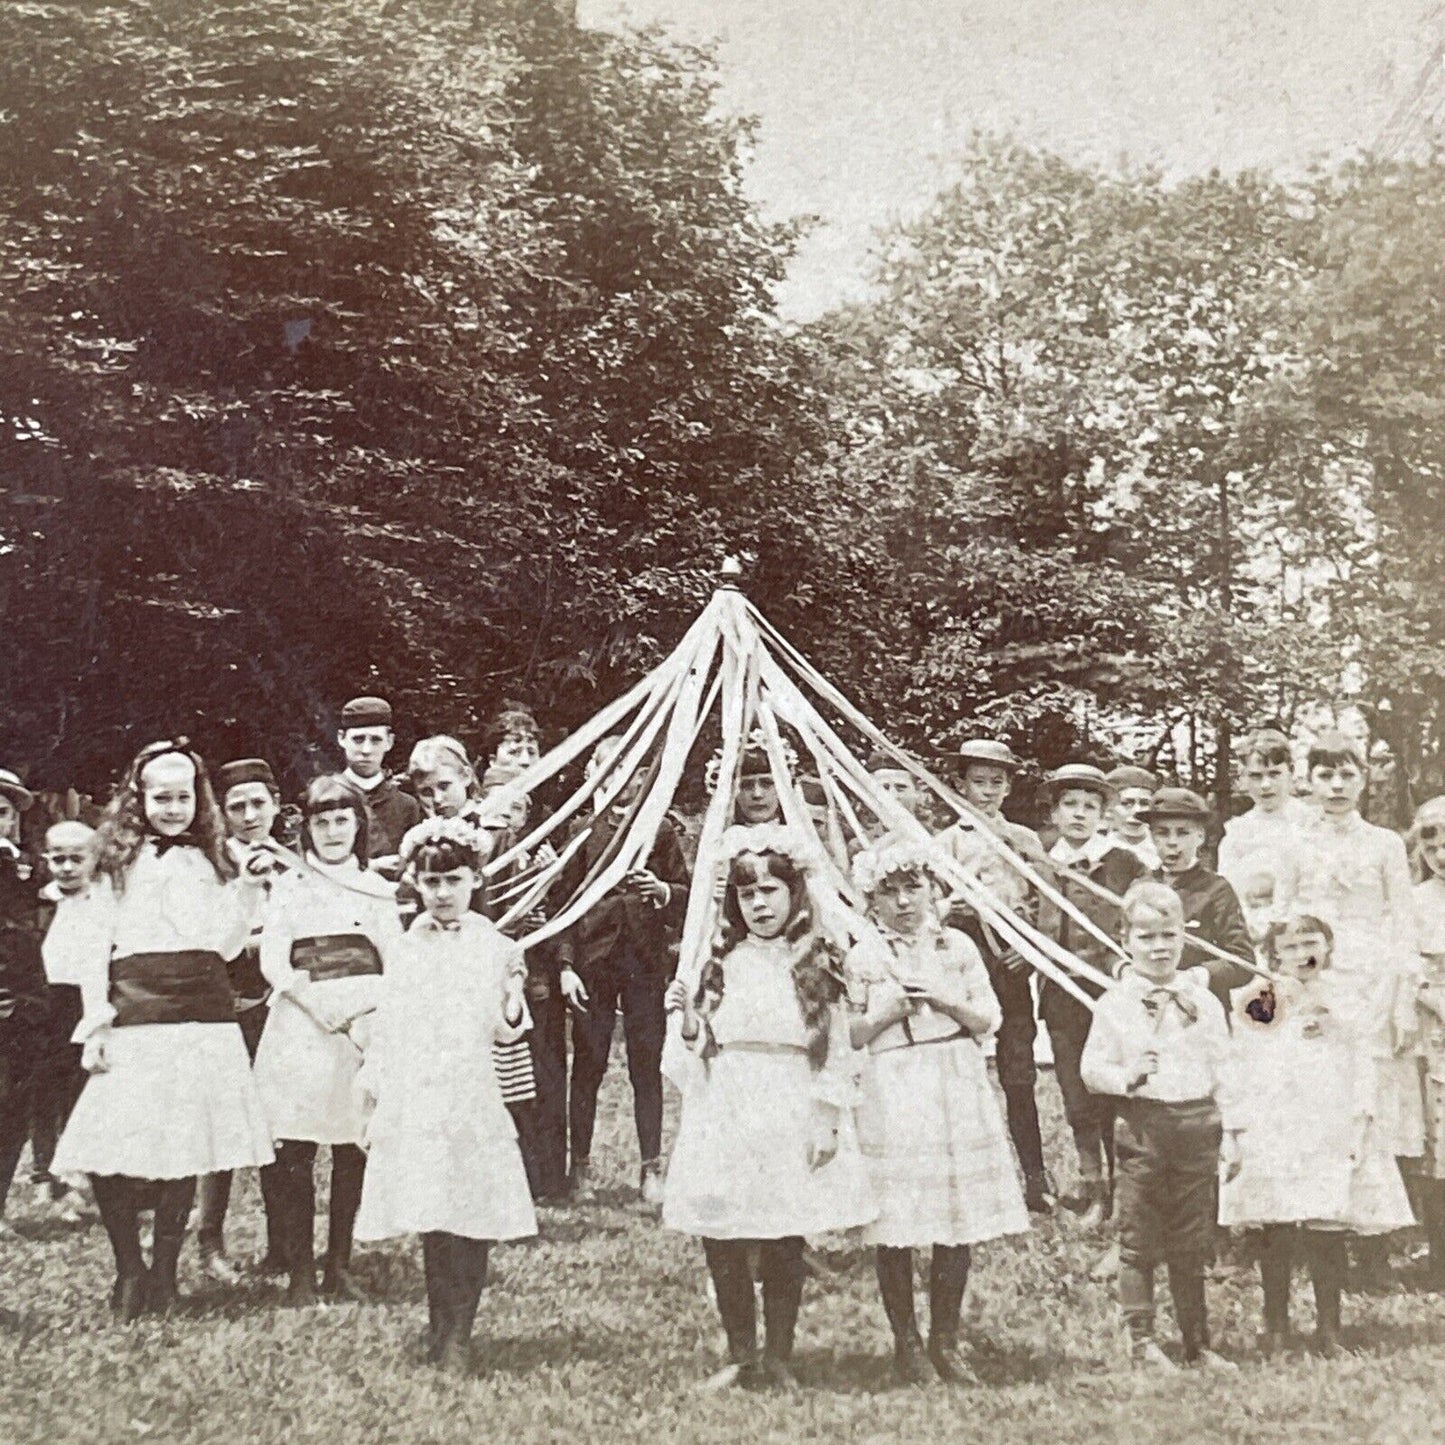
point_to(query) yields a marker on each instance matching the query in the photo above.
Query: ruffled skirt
(177, 1100)
(936, 1148)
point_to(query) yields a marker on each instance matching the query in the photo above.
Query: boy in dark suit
(1178, 823)
(1082, 796)
(619, 956)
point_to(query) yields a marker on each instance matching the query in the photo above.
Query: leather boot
(911, 1365)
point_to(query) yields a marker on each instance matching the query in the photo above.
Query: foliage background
(433, 349)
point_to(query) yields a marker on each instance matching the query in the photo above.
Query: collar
(428, 924)
(367, 785)
(1179, 993)
(1094, 851)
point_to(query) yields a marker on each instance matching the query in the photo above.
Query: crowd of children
(183, 994)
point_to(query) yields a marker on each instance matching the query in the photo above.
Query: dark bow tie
(1159, 999)
(178, 840)
(448, 925)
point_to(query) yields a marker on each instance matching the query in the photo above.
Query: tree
(420, 347)
(1063, 376)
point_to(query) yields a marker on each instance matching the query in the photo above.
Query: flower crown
(894, 855)
(463, 832)
(777, 838)
(756, 743)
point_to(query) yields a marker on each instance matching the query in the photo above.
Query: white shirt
(367, 785)
(1181, 1021)
(1092, 853)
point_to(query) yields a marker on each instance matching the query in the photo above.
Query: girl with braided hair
(765, 1151)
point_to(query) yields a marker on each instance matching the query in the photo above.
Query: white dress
(1430, 913)
(307, 1076)
(177, 1098)
(1356, 877)
(443, 1148)
(1303, 1089)
(928, 1122)
(1256, 843)
(739, 1168)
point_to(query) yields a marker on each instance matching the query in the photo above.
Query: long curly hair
(123, 828)
(817, 963)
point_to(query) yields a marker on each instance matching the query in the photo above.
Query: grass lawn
(601, 1330)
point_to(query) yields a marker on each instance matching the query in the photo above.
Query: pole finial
(730, 574)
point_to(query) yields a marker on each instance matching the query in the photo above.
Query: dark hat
(1080, 775)
(1176, 803)
(881, 762)
(12, 788)
(1128, 776)
(366, 712)
(244, 770)
(988, 750)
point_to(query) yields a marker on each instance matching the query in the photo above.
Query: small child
(170, 1094)
(928, 1123)
(1299, 1101)
(765, 1152)
(329, 930)
(443, 1157)
(1157, 1044)
(70, 858)
(446, 782)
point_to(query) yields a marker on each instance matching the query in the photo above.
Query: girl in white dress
(1356, 878)
(443, 1157)
(329, 930)
(1298, 1097)
(765, 1150)
(928, 1122)
(1428, 837)
(170, 1093)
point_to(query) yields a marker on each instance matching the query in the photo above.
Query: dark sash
(185, 987)
(335, 955)
(248, 983)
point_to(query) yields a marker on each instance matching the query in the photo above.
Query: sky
(866, 105)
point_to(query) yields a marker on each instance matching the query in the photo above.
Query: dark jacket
(24, 997)
(1212, 912)
(624, 925)
(1116, 870)
(392, 812)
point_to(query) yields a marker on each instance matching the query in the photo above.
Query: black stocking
(781, 1262)
(732, 1282)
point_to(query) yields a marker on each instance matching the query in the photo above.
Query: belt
(335, 955)
(909, 1042)
(188, 986)
(761, 1048)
